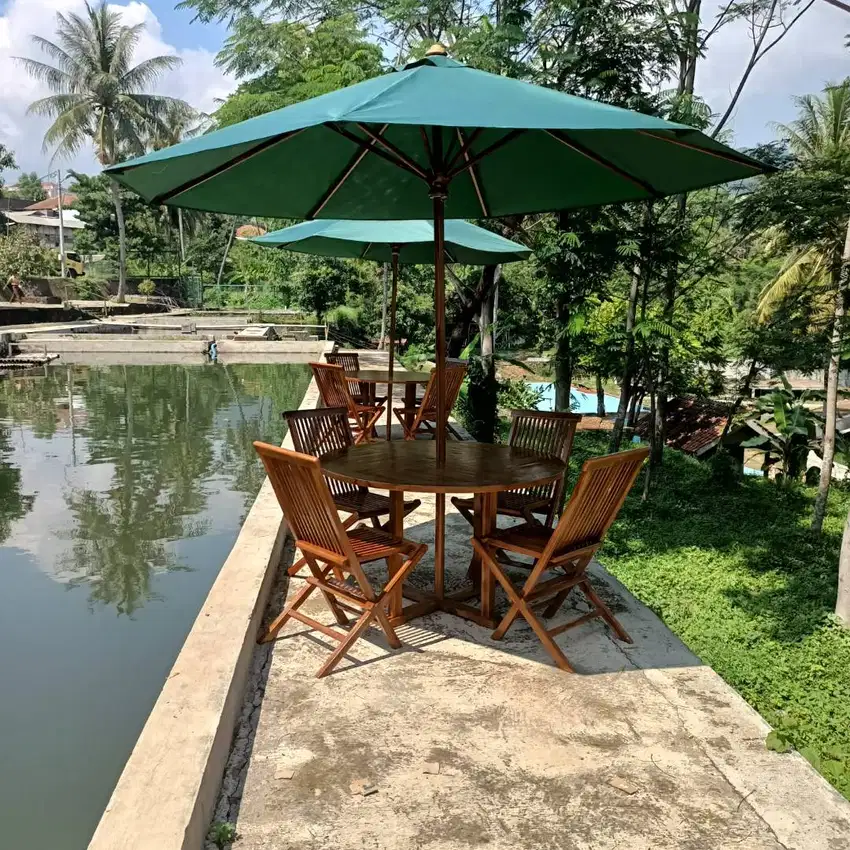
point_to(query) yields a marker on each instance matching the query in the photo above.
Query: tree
(22, 254)
(100, 96)
(819, 255)
(289, 62)
(144, 227)
(7, 161)
(29, 187)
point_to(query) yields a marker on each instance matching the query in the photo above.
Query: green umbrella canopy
(503, 145)
(374, 240)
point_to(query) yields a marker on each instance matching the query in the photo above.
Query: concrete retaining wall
(166, 794)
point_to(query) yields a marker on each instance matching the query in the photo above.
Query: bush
(22, 254)
(516, 394)
(146, 287)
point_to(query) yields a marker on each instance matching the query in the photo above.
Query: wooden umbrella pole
(393, 297)
(438, 195)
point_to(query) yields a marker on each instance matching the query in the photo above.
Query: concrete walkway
(473, 743)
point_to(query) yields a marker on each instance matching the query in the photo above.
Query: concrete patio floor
(643, 748)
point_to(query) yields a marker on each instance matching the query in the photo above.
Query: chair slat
(350, 361)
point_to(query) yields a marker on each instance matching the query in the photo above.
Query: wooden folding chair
(333, 387)
(424, 415)
(335, 556)
(544, 432)
(595, 502)
(350, 361)
(319, 432)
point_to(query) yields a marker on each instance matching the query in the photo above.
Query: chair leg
(336, 656)
(408, 432)
(520, 606)
(604, 611)
(557, 601)
(280, 621)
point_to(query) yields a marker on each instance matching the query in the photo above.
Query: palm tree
(820, 138)
(99, 95)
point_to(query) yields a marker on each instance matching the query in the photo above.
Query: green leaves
(777, 741)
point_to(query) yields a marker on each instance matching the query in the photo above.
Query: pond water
(122, 489)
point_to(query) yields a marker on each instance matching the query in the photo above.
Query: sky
(811, 55)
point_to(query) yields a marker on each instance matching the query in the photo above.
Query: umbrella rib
(371, 148)
(464, 149)
(473, 175)
(476, 158)
(366, 250)
(394, 149)
(220, 169)
(605, 163)
(346, 173)
(719, 154)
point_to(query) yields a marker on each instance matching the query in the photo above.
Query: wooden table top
(382, 376)
(470, 467)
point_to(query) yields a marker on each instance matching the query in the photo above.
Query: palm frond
(803, 269)
(56, 79)
(148, 72)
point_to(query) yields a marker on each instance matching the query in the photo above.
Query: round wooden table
(373, 377)
(482, 469)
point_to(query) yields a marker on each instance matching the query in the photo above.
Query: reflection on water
(122, 490)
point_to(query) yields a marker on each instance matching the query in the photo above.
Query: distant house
(46, 225)
(693, 425)
(52, 204)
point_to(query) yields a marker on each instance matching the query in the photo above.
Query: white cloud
(812, 54)
(197, 80)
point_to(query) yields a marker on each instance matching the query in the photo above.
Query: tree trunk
(658, 402)
(600, 397)
(224, 256)
(842, 603)
(122, 242)
(563, 361)
(831, 392)
(743, 392)
(638, 273)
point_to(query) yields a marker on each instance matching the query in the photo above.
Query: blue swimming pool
(581, 401)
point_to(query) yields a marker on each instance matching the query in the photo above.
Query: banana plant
(787, 427)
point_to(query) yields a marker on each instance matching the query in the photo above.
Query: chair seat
(512, 503)
(368, 504)
(523, 539)
(372, 544)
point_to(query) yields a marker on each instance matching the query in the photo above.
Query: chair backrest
(305, 499)
(350, 361)
(596, 500)
(332, 386)
(454, 375)
(548, 433)
(319, 432)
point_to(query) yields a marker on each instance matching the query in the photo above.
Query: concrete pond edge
(166, 794)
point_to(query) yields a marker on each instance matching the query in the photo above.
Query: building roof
(249, 231)
(693, 425)
(69, 219)
(53, 203)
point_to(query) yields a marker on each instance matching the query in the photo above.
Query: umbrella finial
(436, 50)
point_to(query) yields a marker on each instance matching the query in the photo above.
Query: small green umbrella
(396, 241)
(434, 139)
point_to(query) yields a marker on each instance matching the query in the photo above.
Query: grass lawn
(736, 573)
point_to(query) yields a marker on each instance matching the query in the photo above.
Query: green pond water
(122, 490)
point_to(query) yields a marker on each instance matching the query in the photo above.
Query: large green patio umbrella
(396, 241)
(436, 138)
